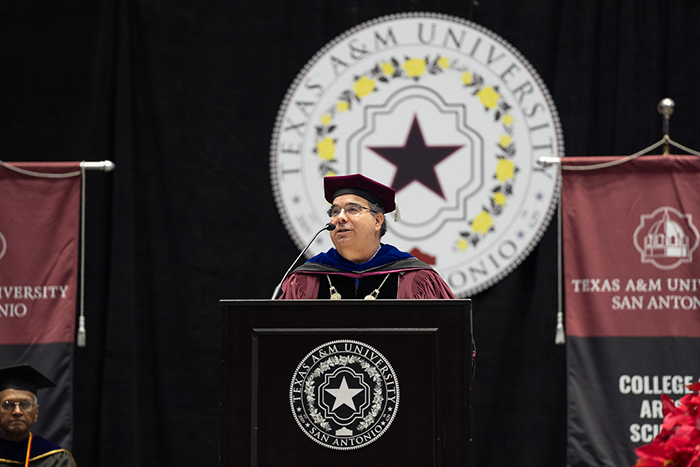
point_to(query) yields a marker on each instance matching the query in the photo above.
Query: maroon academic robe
(415, 282)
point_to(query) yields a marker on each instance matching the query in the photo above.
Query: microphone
(278, 290)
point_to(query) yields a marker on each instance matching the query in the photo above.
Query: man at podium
(360, 266)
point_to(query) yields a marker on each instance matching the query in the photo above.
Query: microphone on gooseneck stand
(278, 290)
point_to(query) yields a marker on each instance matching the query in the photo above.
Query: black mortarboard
(23, 377)
(359, 185)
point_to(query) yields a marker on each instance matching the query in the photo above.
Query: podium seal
(344, 395)
(448, 114)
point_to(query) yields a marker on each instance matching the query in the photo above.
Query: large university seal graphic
(344, 395)
(445, 112)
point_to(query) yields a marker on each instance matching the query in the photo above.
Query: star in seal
(343, 395)
(416, 161)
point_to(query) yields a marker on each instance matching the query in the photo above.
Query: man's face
(15, 424)
(356, 237)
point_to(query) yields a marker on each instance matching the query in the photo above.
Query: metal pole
(665, 108)
(105, 166)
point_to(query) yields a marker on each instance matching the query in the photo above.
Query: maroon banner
(39, 241)
(632, 295)
(39, 257)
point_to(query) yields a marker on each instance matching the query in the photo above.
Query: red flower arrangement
(678, 443)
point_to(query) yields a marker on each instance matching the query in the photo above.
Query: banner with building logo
(39, 248)
(448, 114)
(632, 287)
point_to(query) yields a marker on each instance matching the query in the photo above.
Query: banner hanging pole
(665, 107)
(105, 166)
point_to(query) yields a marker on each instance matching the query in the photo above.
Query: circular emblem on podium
(448, 114)
(344, 395)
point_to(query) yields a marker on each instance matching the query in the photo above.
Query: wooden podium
(346, 383)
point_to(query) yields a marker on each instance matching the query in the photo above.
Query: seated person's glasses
(351, 209)
(9, 406)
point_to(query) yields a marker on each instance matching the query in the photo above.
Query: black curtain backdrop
(182, 96)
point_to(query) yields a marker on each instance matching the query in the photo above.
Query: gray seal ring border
(471, 252)
(3, 245)
(344, 356)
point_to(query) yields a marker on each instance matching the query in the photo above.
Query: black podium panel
(418, 352)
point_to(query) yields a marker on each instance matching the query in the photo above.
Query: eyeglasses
(9, 406)
(351, 209)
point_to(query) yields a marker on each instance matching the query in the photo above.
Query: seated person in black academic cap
(360, 266)
(19, 411)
